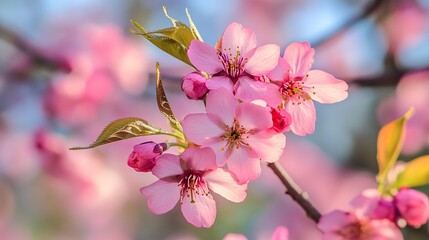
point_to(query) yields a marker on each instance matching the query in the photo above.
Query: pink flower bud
(413, 206)
(194, 86)
(144, 155)
(371, 204)
(281, 120)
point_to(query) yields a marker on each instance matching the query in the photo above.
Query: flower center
(355, 231)
(192, 183)
(293, 90)
(235, 136)
(232, 61)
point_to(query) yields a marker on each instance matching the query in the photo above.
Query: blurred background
(68, 68)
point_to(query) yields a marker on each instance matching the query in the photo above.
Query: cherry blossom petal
(221, 102)
(201, 159)
(252, 116)
(384, 230)
(303, 117)
(262, 60)
(325, 88)
(336, 220)
(300, 58)
(249, 90)
(280, 73)
(161, 195)
(202, 212)
(167, 165)
(268, 149)
(221, 182)
(222, 153)
(236, 37)
(201, 129)
(244, 168)
(204, 57)
(220, 82)
(281, 233)
(234, 236)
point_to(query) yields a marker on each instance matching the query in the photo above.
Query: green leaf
(389, 144)
(123, 129)
(175, 22)
(164, 105)
(174, 41)
(416, 173)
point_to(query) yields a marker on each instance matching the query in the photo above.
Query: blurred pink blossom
(340, 225)
(412, 91)
(406, 25)
(280, 233)
(106, 60)
(370, 203)
(413, 206)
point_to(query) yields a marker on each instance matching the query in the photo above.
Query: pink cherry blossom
(340, 225)
(413, 206)
(190, 178)
(194, 86)
(298, 86)
(370, 203)
(144, 155)
(280, 233)
(234, 59)
(237, 132)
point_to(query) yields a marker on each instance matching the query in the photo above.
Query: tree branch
(34, 54)
(293, 190)
(369, 10)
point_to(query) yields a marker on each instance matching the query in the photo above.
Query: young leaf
(193, 27)
(164, 105)
(123, 129)
(389, 144)
(175, 22)
(416, 173)
(174, 41)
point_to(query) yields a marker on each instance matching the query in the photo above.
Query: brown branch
(34, 54)
(293, 190)
(368, 11)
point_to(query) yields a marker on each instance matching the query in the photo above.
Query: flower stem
(295, 192)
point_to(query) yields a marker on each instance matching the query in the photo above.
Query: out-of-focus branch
(34, 54)
(293, 190)
(369, 10)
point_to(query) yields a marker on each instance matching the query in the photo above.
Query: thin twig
(34, 54)
(293, 190)
(368, 11)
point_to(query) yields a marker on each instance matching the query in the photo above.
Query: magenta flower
(237, 132)
(339, 225)
(413, 206)
(194, 86)
(190, 179)
(234, 59)
(298, 86)
(144, 155)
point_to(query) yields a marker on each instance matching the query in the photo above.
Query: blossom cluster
(252, 96)
(377, 216)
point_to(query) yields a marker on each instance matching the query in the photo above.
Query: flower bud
(194, 86)
(144, 155)
(281, 120)
(371, 204)
(413, 206)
